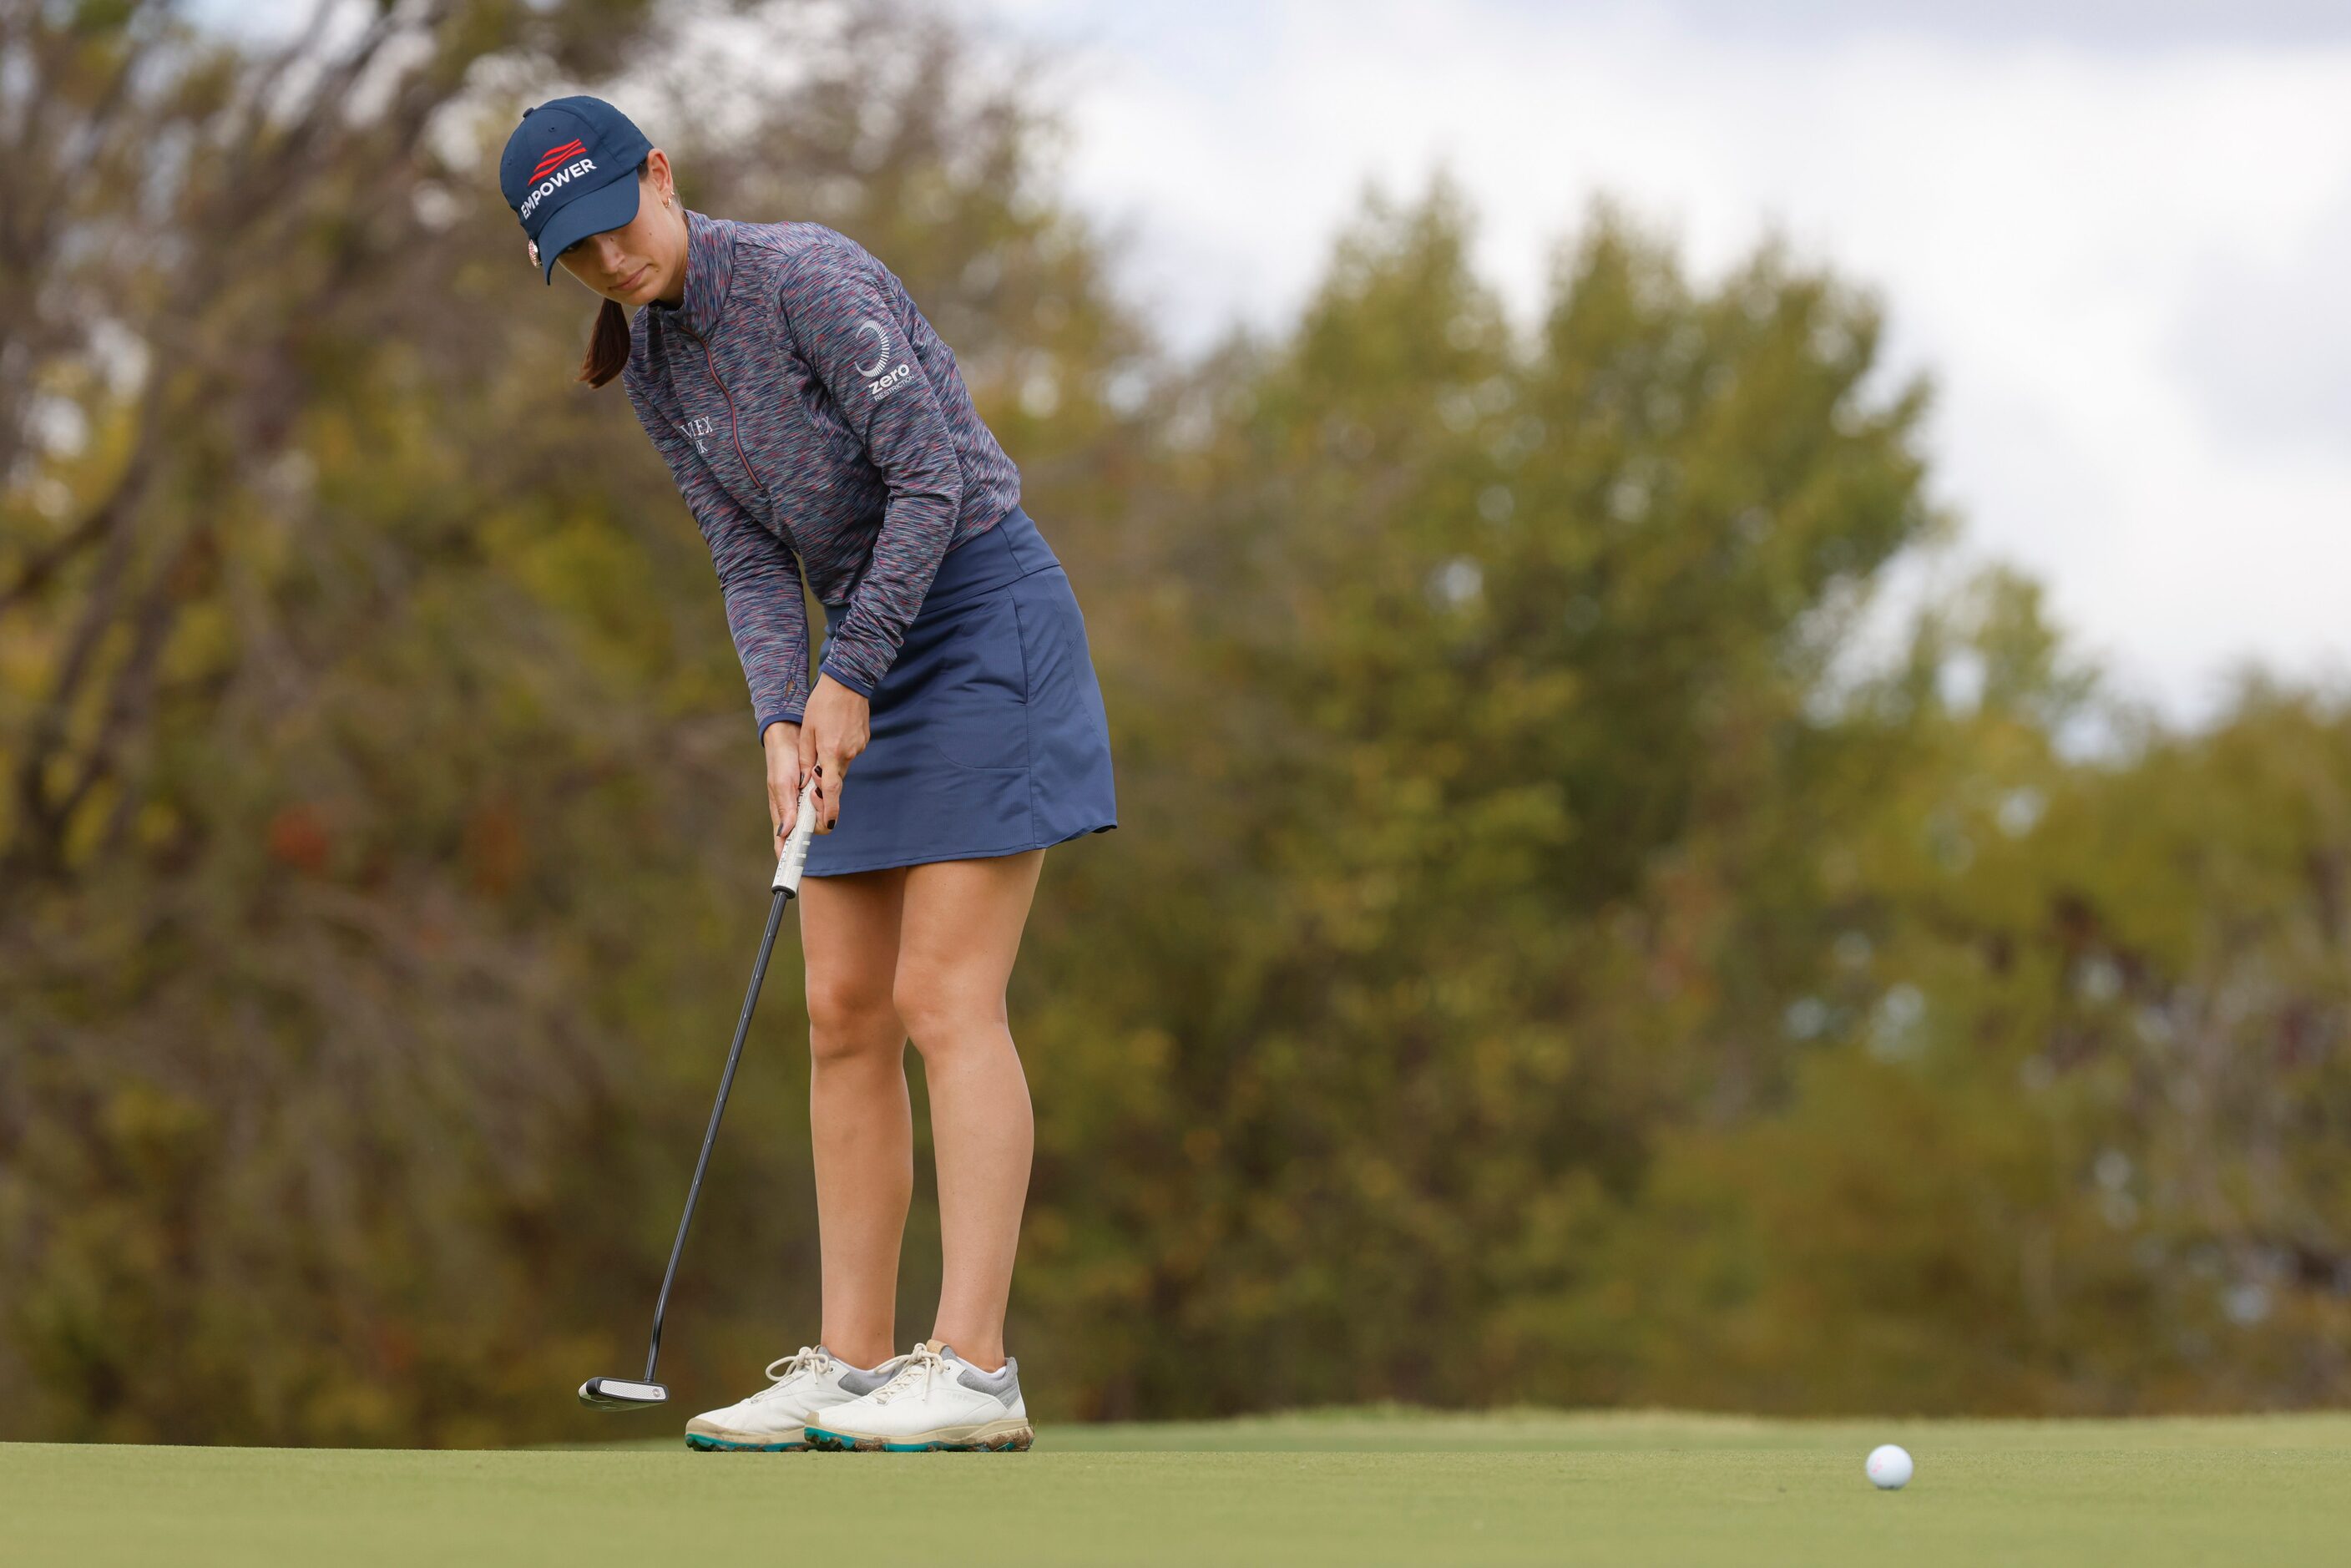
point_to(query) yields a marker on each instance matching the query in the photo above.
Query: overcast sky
(2117, 232)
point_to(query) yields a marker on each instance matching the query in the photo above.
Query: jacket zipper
(733, 425)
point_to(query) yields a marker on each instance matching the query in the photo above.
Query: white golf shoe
(935, 1400)
(801, 1387)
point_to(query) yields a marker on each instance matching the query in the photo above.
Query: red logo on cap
(555, 156)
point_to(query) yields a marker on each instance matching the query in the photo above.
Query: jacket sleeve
(839, 316)
(758, 574)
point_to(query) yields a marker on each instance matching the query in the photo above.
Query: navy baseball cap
(570, 171)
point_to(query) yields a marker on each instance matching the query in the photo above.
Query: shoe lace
(807, 1359)
(922, 1363)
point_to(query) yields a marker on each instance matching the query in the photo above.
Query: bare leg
(957, 937)
(860, 1121)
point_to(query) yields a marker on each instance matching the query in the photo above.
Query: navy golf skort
(988, 736)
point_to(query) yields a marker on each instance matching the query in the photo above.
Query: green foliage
(1542, 957)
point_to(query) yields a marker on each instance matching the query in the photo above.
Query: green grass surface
(1352, 1488)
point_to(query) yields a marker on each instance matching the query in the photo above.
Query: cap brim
(611, 207)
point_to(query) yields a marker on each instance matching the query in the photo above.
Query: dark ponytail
(608, 344)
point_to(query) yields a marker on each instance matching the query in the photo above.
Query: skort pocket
(974, 704)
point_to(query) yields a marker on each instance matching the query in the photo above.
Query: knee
(939, 1015)
(849, 1019)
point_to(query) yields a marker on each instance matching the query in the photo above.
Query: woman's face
(643, 260)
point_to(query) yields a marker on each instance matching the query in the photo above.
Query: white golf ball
(1888, 1466)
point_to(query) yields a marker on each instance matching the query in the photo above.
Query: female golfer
(817, 426)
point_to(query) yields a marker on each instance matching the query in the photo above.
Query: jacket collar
(709, 269)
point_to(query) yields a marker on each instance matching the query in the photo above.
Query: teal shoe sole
(838, 1443)
(702, 1445)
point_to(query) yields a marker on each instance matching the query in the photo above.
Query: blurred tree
(2070, 1128)
(1505, 657)
(284, 1098)
(381, 853)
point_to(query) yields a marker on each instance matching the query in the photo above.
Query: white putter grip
(794, 860)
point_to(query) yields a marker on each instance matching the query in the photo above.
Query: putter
(641, 1393)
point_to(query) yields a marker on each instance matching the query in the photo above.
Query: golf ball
(1888, 1466)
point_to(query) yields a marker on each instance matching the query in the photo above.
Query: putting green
(1355, 1488)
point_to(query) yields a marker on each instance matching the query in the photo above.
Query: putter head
(622, 1394)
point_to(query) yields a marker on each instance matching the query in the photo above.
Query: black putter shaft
(710, 1134)
(621, 1394)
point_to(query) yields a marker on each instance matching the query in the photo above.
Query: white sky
(2116, 233)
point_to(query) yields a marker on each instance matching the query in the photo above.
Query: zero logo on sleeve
(876, 381)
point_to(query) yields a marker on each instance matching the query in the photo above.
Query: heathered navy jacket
(807, 409)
